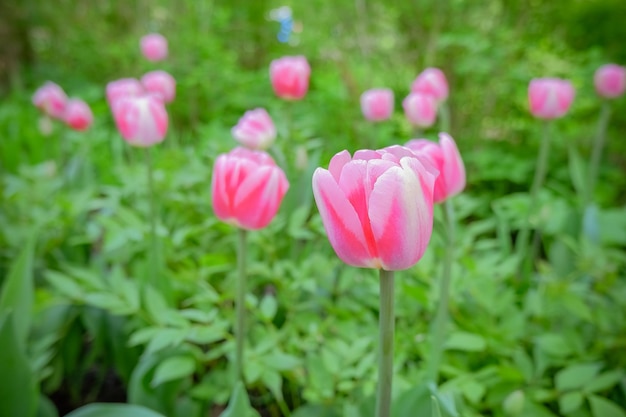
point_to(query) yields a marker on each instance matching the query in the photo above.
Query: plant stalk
(153, 259)
(386, 323)
(598, 146)
(240, 303)
(444, 117)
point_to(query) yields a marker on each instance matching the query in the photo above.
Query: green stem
(386, 321)
(418, 133)
(598, 146)
(153, 259)
(444, 117)
(441, 319)
(240, 303)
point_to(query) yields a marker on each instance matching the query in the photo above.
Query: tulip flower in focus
(124, 87)
(377, 206)
(420, 109)
(610, 80)
(377, 104)
(550, 98)
(78, 115)
(247, 188)
(142, 121)
(255, 130)
(154, 47)
(289, 76)
(51, 100)
(161, 84)
(431, 81)
(446, 158)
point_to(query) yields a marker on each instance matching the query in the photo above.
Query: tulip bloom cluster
(54, 103)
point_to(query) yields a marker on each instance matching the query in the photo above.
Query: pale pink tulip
(420, 109)
(161, 84)
(51, 100)
(124, 87)
(377, 104)
(431, 81)
(550, 98)
(78, 114)
(377, 206)
(447, 160)
(154, 47)
(610, 80)
(255, 130)
(247, 188)
(142, 121)
(290, 77)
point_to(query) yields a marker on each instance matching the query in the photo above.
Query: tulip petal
(258, 198)
(454, 169)
(337, 162)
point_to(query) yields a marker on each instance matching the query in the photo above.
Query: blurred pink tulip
(51, 100)
(78, 115)
(431, 81)
(377, 206)
(124, 87)
(610, 80)
(161, 84)
(154, 47)
(255, 130)
(290, 77)
(550, 98)
(142, 121)
(377, 104)
(420, 109)
(247, 188)
(446, 158)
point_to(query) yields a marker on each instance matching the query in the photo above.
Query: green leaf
(601, 407)
(274, 382)
(468, 342)
(436, 412)
(316, 411)
(268, 307)
(575, 376)
(554, 344)
(603, 381)
(46, 408)
(113, 410)
(570, 402)
(65, 285)
(281, 361)
(577, 171)
(176, 367)
(239, 404)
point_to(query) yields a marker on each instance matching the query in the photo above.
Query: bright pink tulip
(420, 109)
(377, 104)
(142, 121)
(431, 81)
(51, 99)
(154, 47)
(446, 158)
(550, 98)
(255, 130)
(610, 80)
(290, 77)
(161, 84)
(124, 87)
(377, 207)
(78, 115)
(247, 188)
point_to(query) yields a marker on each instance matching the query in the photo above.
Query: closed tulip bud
(431, 81)
(610, 80)
(124, 87)
(154, 47)
(255, 130)
(142, 121)
(51, 100)
(290, 77)
(377, 104)
(550, 98)
(447, 160)
(161, 84)
(247, 188)
(78, 115)
(377, 206)
(420, 109)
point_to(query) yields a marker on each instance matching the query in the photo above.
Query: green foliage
(113, 410)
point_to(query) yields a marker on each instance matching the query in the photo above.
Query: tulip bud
(431, 81)
(289, 76)
(420, 109)
(610, 80)
(78, 115)
(255, 129)
(154, 47)
(161, 84)
(550, 98)
(142, 121)
(377, 104)
(51, 100)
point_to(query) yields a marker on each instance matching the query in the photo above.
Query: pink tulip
(161, 84)
(446, 158)
(290, 77)
(142, 121)
(431, 81)
(78, 115)
(377, 104)
(124, 87)
(550, 98)
(377, 206)
(154, 47)
(610, 80)
(420, 109)
(247, 188)
(51, 99)
(255, 130)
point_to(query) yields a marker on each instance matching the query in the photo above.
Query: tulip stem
(444, 117)
(540, 174)
(598, 146)
(154, 264)
(386, 322)
(441, 319)
(240, 303)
